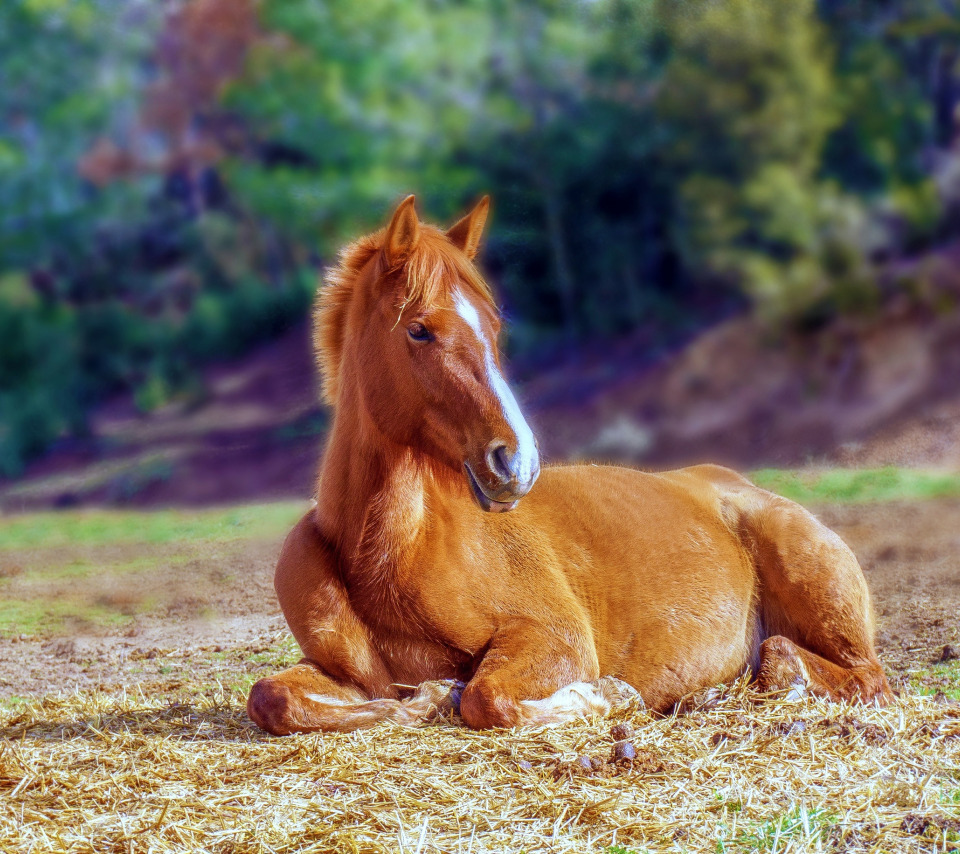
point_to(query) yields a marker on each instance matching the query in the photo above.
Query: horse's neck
(371, 498)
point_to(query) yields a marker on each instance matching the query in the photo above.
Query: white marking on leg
(526, 444)
(328, 701)
(577, 700)
(800, 682)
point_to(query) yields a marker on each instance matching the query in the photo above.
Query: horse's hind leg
(786, 666)
(814, 603)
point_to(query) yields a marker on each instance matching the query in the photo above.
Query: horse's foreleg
(579, 700)
(303, 698)
(532, 676)
(342, 682)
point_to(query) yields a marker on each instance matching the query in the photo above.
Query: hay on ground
(110, 772)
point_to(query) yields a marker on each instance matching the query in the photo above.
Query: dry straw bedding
(123, 772)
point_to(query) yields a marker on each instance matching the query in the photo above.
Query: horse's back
(648, 508)
(669, 587)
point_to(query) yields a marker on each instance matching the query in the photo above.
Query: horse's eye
(419, 332)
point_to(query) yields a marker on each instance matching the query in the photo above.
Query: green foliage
(66, 69)
(637, 150)
(354, 95)
(750, 96)
(125, 286)
(56, 359)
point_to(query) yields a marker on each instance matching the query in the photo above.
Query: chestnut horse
(436, 557)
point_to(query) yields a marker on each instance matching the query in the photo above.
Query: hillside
(880, 392)
(884, 391)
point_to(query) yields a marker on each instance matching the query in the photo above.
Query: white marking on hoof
(577, 700)
(619, 694)
(798, 691)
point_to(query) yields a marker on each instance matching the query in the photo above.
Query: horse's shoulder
(307, 541)
(307, 561)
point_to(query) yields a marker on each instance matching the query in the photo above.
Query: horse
(441, 569)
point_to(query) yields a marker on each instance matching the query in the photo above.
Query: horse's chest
(412, 660)
(408, 646)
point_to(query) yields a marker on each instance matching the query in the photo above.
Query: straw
(124, 772)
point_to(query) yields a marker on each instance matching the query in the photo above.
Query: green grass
(43, 617)
(83, 567)
(858, 486)
(799, 826)
(939, 678)
(103, 527)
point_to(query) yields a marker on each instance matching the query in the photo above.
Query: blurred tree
(63, 73)
(750, 99)
(66, 71)
(349, 105)
(120, 265)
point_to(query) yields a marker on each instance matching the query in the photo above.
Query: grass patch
(13, 702)
(938, 679)
(858, 486)
(84, 567)
(107, 527)
(799, 828)
(43, 616)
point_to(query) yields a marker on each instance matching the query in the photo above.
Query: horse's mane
(433, 267)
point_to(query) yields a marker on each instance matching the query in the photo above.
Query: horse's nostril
(499, 461)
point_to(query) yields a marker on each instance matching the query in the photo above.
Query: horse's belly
(677, 631)
(668, 588)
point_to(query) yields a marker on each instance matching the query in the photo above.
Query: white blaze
(508, 403)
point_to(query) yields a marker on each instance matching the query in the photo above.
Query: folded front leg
(303, 698)
(535, 676)
(580, 700)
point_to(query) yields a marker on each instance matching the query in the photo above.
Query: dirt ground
(206, 612)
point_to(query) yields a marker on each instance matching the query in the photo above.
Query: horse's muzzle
(504, 478)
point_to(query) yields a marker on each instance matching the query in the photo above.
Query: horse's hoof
(791, 691)
(619, 694)
(435, 698)
(798, 690)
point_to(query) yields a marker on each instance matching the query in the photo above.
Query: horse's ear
(403, 231)
(466, 234)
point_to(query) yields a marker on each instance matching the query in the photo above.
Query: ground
(128, 642)
(114, 613)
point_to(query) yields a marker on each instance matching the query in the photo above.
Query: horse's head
(408, 323)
